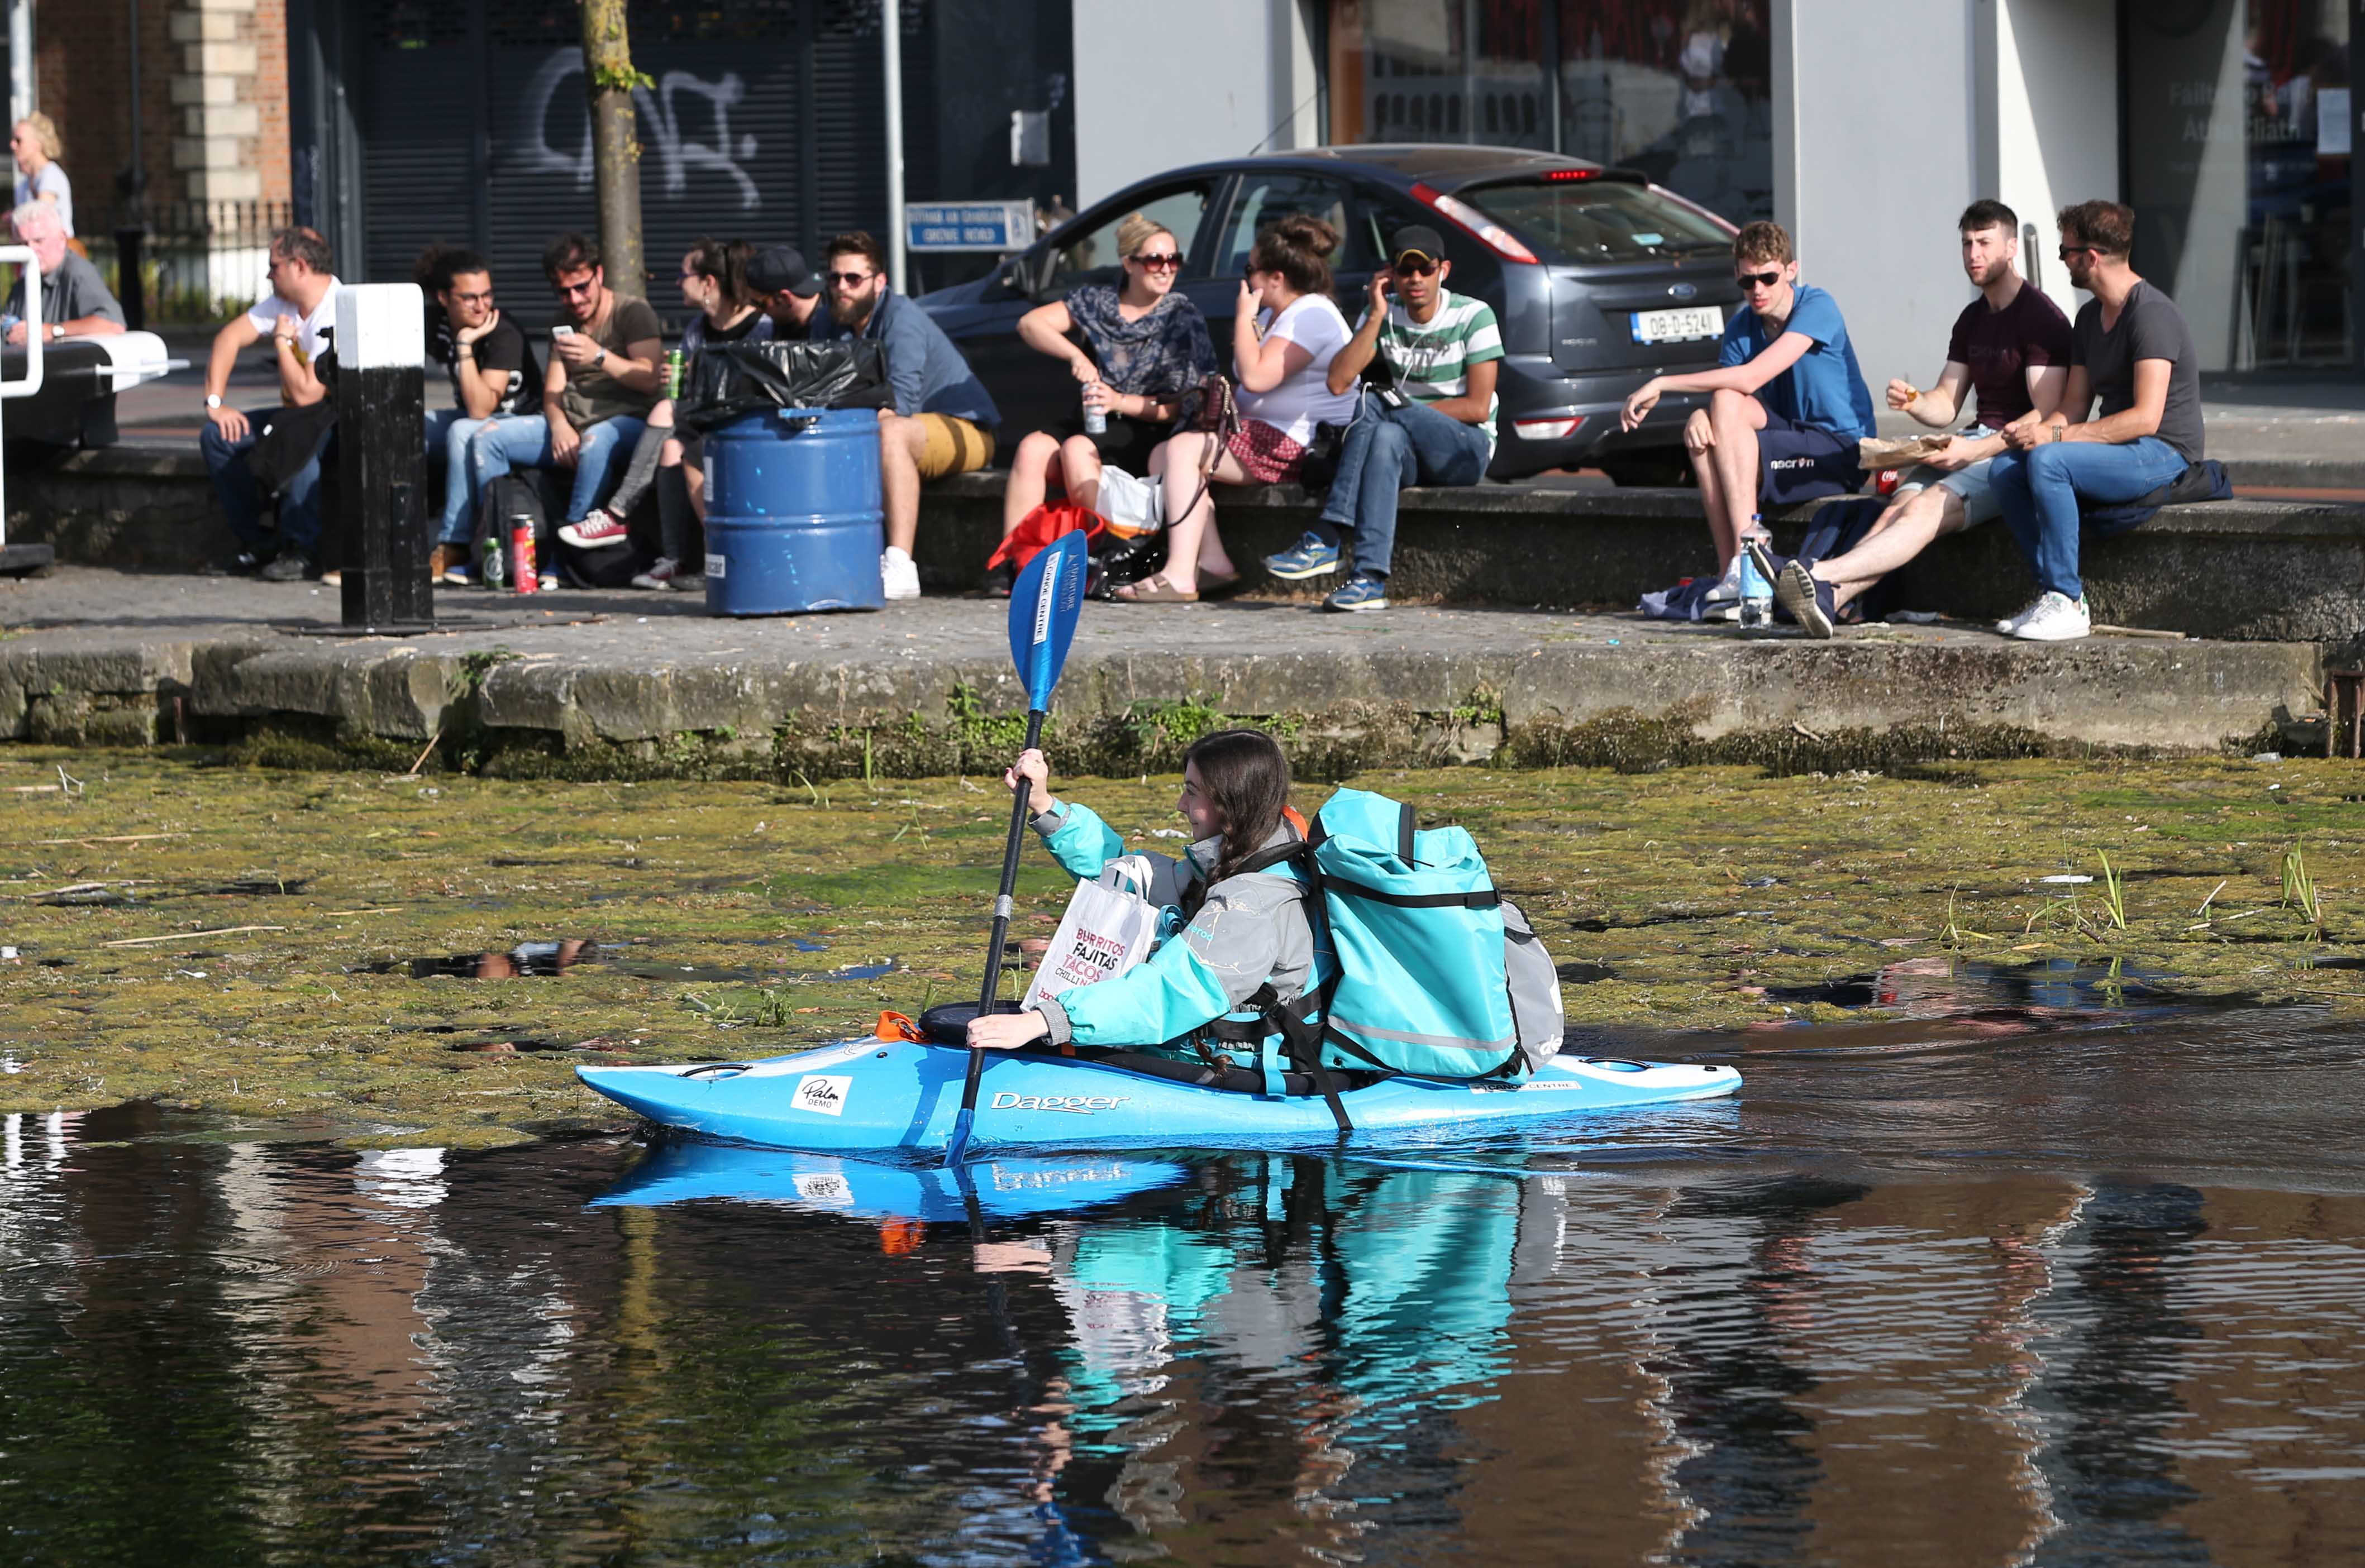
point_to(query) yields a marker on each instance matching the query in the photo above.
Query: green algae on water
(240, 939)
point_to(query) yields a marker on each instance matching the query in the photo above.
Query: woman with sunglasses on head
(1285, 332)
(714, 285)
(1145, 347)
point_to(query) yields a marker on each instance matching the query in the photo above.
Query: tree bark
(615, 147)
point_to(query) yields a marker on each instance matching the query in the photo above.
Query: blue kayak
(883, 1094)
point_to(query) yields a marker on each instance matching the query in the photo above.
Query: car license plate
(1678, 326)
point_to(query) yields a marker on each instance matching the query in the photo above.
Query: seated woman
(713, 284)
(1285, 332)
(1240, 930)
(1151, 346)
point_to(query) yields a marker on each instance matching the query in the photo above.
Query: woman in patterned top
(1145, 347)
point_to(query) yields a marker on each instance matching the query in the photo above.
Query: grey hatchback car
(1598, 278)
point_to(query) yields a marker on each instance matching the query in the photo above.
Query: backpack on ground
(1436, 974)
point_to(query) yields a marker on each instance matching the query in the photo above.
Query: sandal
(1155, 591)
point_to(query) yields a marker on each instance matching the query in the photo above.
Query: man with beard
(943, 418)
(2132, 349)
(2011, 345)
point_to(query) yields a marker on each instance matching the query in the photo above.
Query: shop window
(2239, 131)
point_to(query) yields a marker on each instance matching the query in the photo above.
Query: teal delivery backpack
(1437, 975)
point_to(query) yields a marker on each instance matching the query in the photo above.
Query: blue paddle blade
(1044, 605)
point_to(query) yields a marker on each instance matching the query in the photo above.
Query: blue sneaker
(1309, 557)
(1361, 591)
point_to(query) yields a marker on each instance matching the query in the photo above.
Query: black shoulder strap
(1264, 860)
(1404, 836)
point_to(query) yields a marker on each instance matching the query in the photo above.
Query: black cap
(782, 270)
(1418, 237)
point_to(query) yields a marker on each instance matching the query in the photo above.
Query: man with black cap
(1431, 422)
(789, 290)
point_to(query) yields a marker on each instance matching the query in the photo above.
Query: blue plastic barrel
(794, 515)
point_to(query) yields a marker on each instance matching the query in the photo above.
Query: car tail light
(1548, 430)
(1461, 215)
(1557, 175)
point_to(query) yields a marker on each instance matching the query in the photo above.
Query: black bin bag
(732, 379)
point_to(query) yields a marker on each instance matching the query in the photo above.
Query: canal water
(2070, 1280)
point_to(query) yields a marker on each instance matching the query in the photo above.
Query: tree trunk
(615, 148)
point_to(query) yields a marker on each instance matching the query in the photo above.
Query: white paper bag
(1133, 507)
(1108, 929)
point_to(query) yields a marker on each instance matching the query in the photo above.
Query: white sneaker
(2011, 625)
(1722, 600)
(663, 572)
(2055, 618)
(898, 575)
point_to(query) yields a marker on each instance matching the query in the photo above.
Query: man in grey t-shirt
(75, 299)
(2131, 348)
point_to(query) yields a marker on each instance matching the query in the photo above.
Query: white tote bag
(1133, 507)
(1108, 929)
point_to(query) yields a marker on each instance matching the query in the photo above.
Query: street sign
(996, 226)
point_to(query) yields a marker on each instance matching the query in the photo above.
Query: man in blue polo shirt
(1787, 404)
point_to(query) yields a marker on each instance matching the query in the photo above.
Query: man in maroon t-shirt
(2012, 344)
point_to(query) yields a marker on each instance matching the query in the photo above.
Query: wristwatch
(213, 400)
(57, 333)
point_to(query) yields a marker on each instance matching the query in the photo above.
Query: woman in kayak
(1240, 930)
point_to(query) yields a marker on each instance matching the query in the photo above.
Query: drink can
(673, 374)
(496, 562)
(1096, 419)
(521, 570)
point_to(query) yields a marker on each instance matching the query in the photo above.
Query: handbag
(1107, 930)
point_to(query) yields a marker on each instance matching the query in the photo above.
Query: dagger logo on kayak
(1078, 1105)
(825, 1096)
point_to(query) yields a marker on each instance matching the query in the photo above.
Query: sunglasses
(586, 289)
(849, 280)
(1165, 264)
(1425, 268)
(2068, 251)
(1757, 280)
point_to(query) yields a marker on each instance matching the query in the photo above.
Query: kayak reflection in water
(1231, 926)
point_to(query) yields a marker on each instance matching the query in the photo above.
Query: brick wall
(213, 91)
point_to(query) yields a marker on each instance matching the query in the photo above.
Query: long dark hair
(726, 261)
(1248, 779)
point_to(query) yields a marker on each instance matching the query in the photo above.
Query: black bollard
(381, 523)
(130, 287)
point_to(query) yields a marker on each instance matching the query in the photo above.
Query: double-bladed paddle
(1044, 605)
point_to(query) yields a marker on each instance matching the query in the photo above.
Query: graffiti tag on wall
(661, 128)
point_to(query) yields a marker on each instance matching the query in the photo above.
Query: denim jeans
(523, 441)
(242, 495)
(1387, 449)
(448, 430)
(2038, 490)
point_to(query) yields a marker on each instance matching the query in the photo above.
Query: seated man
(300, 316)
(943, 418)
(1434, 426)
(788, 290)
(75, 302)
(493, 374)
(1789, 405)
(2012, 344)
(606, 373)
(2132, 349)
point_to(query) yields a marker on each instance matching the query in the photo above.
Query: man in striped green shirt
(1431, 422)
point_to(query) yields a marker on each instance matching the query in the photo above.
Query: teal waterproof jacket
(1249, 930)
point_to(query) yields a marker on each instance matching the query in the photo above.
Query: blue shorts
(1801, 463)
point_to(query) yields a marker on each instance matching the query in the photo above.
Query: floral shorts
(1270, 457)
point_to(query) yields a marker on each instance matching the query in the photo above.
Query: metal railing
(198, 260)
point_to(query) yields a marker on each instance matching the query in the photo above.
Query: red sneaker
(597, 528)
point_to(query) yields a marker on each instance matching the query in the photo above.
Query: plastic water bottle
(1757, 593)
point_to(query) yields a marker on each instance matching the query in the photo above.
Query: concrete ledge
(657, 687)
(2242, 569)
